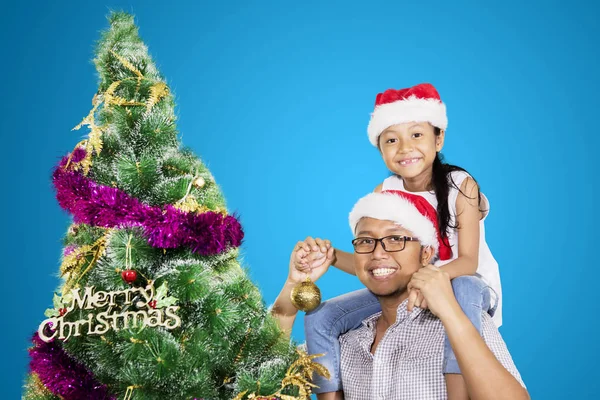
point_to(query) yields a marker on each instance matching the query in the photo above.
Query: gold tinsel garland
(158, 91)
(72, 267)
(93, 144)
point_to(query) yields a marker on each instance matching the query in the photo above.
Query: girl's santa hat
(420, 103)
(411, 211)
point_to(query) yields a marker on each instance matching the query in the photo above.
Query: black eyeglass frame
(381, 240)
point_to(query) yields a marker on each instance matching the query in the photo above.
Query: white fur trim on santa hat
(391, 207)
(412, 109)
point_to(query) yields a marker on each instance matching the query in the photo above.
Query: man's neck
(389, 308)
(389, 311)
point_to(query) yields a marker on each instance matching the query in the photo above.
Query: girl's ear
(426, 255)
(439, 141)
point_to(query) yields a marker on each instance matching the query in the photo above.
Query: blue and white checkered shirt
(407, 364)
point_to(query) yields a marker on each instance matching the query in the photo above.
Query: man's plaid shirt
(407, 364)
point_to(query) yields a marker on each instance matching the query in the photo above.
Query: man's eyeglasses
(366, 245)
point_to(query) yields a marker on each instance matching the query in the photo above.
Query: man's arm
(485, 377)
(283, 309)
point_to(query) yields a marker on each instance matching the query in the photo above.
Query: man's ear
(427, 253)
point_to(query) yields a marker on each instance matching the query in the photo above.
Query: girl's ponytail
(441, 182)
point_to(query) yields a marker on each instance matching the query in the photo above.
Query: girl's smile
(409, 161)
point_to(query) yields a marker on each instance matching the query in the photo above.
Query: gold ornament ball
(199, 182)
(306, 296)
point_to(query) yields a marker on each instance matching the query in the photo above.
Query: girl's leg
(473, 296)
(324, 325)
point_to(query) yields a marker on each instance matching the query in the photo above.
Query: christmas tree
(153, 302)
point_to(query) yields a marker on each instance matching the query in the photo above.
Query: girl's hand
(416, 299)
(434, 284)
(310, 253)
(306, 262)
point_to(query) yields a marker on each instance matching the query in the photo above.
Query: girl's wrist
(334, 259)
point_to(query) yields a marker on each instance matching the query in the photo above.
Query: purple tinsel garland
(61, 375)
(207, 233)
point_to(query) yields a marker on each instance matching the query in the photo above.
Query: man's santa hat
(420, 103)
(411, 211)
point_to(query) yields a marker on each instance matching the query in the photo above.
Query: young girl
(408, 127)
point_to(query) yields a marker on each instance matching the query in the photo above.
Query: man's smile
(382, 273)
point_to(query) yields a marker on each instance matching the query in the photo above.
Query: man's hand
(434, 285)
(310, 257)
(313, 266)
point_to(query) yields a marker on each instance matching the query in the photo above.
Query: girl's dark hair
(442, 182)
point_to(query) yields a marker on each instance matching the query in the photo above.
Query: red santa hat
(420, 103)
(411, 211)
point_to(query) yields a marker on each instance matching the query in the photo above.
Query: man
(397, 353)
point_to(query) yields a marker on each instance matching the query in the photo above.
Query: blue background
(276, 99)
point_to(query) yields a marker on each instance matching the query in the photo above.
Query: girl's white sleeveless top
(487, 267)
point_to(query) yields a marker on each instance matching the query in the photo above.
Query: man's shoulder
(489, 330)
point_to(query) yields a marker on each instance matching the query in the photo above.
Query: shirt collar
(401, 315)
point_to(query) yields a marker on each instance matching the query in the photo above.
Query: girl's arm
(468, 217)
(344, 261)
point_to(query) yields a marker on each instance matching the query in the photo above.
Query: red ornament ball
(129, 275)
